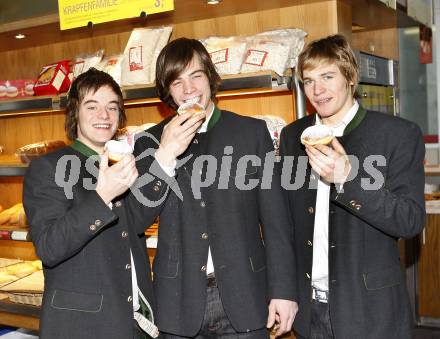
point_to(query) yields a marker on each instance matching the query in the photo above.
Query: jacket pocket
(74, 301)
(258, 262)
(388, 277)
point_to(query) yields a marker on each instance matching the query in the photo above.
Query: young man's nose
(188, 86)
(318, 88)
(103, 112)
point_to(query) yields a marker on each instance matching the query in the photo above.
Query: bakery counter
(19, 315)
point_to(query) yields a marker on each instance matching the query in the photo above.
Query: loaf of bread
(29, 152)
(14, 216)
(22, 268)
(6, 278)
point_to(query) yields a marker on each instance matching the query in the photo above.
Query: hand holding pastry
(116, 179)
(331, 163)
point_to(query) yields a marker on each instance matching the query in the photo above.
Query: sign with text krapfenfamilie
(78, 13)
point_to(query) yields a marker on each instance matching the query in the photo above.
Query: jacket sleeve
(391, 199)
(276, 226)
(60, 227)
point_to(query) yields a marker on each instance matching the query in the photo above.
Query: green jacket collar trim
(83, 148)
(216, 114)
(357, 119)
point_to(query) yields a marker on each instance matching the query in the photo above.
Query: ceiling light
(213, 2)
(20, 36)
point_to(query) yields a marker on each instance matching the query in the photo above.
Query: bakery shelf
(28, 105)
(432, 170)
(16, 170)
(10, 307)
(233, 85)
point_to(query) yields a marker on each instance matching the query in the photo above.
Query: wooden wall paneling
(344, 18)
(140, 115)
(279, 104)
(17, 250)
(17, 131)
(317, 18)
(373, 15)
(429, 268)
(382, 42)
(11, 191)
(45, 30)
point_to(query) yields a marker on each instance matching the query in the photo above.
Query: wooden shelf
(28, 105)
(432, 170)
(29, 310)
(17, 315)
(240, 84)
(8, 170)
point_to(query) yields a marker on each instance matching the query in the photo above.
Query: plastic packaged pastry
(29, 152)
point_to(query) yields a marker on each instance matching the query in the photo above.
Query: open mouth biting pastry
(190, 107)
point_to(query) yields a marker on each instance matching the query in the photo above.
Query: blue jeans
(217, 325)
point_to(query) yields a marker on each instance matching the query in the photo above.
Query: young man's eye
(92, 108)
(307, 82)
(328, 77)
(113, 108)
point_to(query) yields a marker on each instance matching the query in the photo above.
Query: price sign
(78, 13)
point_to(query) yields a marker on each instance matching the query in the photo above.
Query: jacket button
(92, 227)
(156, 188)
(98, 222)
(204, 236)
(357, 207)
(195, 141)
(333, 281)
(308, 276)
(127, 267)
(309, 243)
(202, 204)
(353, 203)
(158, 183)
(118, 203)
(130, 299)
(124, 234)
(311, 210)
(203, 268)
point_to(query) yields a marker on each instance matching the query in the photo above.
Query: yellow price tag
(78, 13)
